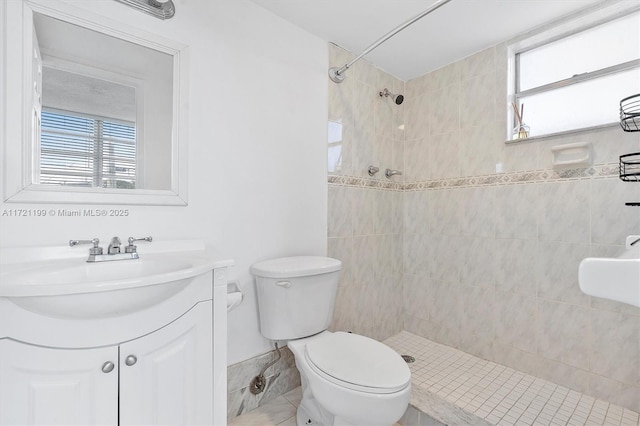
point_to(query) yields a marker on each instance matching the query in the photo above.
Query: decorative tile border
(510, 178)
(362, 182)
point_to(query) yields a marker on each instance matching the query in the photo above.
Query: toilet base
(304, 419)
(330, 404)
(309, 411)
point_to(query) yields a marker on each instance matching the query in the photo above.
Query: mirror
(101, 117)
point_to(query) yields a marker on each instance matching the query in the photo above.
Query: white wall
(257, 148)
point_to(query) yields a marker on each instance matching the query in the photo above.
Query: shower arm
(337, 74)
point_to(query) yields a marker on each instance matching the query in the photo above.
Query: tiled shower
(477, 245)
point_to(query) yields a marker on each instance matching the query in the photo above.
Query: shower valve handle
(388, 173)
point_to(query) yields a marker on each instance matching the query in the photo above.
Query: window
(577, 81)
(79, 150)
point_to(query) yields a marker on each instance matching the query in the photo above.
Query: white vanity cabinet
(162, 378)
(166, 377)
(41, 386)
(153, 366)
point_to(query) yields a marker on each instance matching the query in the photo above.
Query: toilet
(347, 379)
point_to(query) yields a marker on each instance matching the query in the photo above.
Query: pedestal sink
(616, 278)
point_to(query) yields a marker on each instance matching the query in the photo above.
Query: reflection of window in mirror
(106, 110)
(36, 94)
(88, 131)
(87, 151)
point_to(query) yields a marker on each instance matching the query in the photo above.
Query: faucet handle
(131, 248)
(96, 249)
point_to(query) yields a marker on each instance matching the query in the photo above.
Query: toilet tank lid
(296, 266)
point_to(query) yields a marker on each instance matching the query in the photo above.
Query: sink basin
(70, 272)
(71, 288)
(613, 278)
(102, 304)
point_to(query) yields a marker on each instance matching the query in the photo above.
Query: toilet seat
(358, 363)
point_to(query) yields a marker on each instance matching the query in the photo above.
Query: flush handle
(284, 284)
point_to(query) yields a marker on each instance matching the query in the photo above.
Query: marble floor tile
(273, 413)
(278, 412)
(294, 396)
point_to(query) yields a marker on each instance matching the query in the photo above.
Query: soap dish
(572, 155)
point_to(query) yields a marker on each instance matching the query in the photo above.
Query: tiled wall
(490, 259)
(365, 222)
(281, 377)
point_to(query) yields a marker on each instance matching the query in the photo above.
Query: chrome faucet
(114, 246)
(113, 251)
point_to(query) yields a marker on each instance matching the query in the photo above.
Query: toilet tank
(296, 295)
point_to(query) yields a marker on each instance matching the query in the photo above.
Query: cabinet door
(57, 386)
(166, 377)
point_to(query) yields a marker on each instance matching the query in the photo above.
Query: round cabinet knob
(130, 360)
(108, 367)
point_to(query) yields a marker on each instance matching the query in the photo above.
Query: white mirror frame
(15, 75)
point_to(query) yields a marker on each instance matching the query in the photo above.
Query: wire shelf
(630, 113)
(630, 167)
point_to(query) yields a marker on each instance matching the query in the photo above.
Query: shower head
(396, 98)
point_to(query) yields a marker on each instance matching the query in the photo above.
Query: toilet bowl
(347, 379)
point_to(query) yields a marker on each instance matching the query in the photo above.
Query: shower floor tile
(497, 394)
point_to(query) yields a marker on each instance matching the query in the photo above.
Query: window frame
(584, 20)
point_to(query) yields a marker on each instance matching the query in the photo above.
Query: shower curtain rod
(337, 74)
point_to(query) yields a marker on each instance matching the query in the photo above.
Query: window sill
(559, 134)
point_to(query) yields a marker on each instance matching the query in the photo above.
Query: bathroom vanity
(128, 342)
